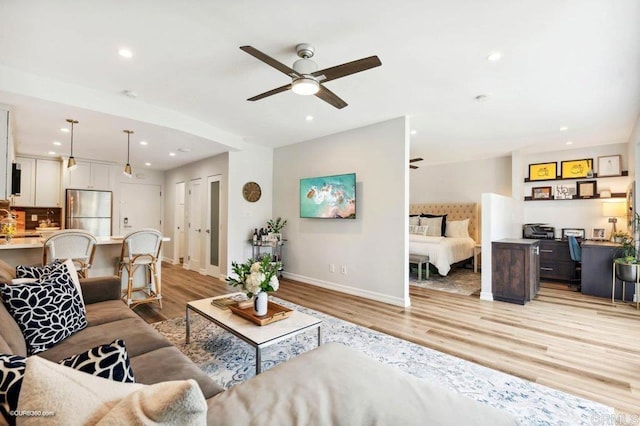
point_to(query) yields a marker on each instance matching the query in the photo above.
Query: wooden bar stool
(141, 250)
(75, 244)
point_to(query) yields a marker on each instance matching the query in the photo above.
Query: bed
(443, 252)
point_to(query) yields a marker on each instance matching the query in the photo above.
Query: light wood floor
(565, 340)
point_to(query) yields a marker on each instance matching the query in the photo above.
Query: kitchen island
(28, 251)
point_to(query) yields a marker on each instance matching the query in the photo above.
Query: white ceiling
(573, 63)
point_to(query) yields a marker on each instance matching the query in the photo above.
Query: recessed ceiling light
(172, 154)
(64, 129)
(494, 56)
(309, 118)
(144, 143)
(51, 153)
(569, 143)
(147, 164)
(125, 52)
(184, 149)
(564, 128)
(56, 143)
(413, 132)
(481, 98)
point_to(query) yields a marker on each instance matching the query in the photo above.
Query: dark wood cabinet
(515, 270)
(597, 269)
(555, 260)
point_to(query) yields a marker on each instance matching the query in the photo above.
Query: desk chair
(141, 250)
(74, 244)
(576, 255)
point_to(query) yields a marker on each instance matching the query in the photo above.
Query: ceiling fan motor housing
(305, 66)
(305, 50)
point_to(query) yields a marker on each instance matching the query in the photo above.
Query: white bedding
(442, 252)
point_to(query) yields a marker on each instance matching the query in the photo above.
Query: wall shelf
(595, 176)
(575, 197)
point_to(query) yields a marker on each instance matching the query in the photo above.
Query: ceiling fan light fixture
(305, 86)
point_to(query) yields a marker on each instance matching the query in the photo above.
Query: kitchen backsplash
(26, 216)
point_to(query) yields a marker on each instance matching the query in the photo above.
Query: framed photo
(565, 192)
(597, 234)
(587, 189)
(576, 169)
(541, 193)
(609, 166)
(575, 232)
(543, 171)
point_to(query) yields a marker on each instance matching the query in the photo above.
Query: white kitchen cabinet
(39, 183)
(90, 176)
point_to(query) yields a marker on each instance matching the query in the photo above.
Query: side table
(419, 259)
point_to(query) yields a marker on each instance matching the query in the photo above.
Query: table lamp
(613, 210)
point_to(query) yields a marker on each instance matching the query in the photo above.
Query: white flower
(255, 267)
(274, 283)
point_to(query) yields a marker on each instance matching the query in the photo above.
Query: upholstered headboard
(454, 211)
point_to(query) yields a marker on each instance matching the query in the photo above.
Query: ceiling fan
(306, 79)
(414, 160)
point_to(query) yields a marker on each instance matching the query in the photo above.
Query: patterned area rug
(459, 280)
(230, 361)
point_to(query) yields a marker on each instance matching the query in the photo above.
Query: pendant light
(71, 163)
(127, 168)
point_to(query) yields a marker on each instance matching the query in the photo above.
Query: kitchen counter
(37, 242)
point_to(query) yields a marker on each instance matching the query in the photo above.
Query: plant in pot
(626, 265)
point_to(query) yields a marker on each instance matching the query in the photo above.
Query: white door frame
(212, 270)
(179, 220)
(195, 252)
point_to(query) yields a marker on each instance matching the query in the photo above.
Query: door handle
(207, 231)
(198, 230)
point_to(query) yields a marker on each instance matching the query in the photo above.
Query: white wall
(460, 182)
(217, 165)
(5, 162)
(586, 214)
(500, 219)
(374, 246)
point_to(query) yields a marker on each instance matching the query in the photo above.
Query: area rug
(459, 281)
(230, 361)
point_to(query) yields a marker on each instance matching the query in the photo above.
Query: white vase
(260, 303)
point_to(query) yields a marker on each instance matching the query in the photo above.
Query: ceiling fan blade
(271, 92)
(412, 166)
(330, 97)
(413, 160)
(347, 69)
(270, 61)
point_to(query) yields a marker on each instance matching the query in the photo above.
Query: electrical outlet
(344, 269)
(332, 267)
(34, 218)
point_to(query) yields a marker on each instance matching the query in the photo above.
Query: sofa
(330, 385)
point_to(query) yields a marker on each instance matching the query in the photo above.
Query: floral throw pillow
(108, 361)
(46, 312)
(24, 271)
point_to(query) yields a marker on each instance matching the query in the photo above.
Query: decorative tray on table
(274, 313)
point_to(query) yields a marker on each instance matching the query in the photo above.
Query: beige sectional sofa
(331, 385)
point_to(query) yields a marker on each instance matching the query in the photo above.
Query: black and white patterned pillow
(108, 361)
(11, 373)
(24, 271)
(47, 312)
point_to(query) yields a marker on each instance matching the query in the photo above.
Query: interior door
(180, 224)
(195, 225)
(213, 226)
(140, 207)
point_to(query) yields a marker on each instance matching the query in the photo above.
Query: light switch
(34, 218)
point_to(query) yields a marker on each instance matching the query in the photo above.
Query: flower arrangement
(276, 225)
(256, 277)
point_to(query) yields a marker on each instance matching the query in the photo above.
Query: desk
(597, 269)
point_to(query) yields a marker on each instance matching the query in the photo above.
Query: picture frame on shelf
(574, 232)
(587, 189)
(543, 171)
(576, 169)
(610, 165)
(541, 193)
(565, 192)
(598, 234)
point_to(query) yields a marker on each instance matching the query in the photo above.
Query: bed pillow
(108, 361)
(46, 312)
(418, 230)
(414, 220)
(458, 228)
(443, 224)
(433, 224)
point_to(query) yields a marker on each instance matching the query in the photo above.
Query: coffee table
(257, 336)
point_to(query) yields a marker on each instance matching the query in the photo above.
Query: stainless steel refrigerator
(89, 210)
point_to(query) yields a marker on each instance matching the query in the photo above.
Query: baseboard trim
(486, 295)
(378, 297)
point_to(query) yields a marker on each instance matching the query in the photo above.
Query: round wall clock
(251, 192)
